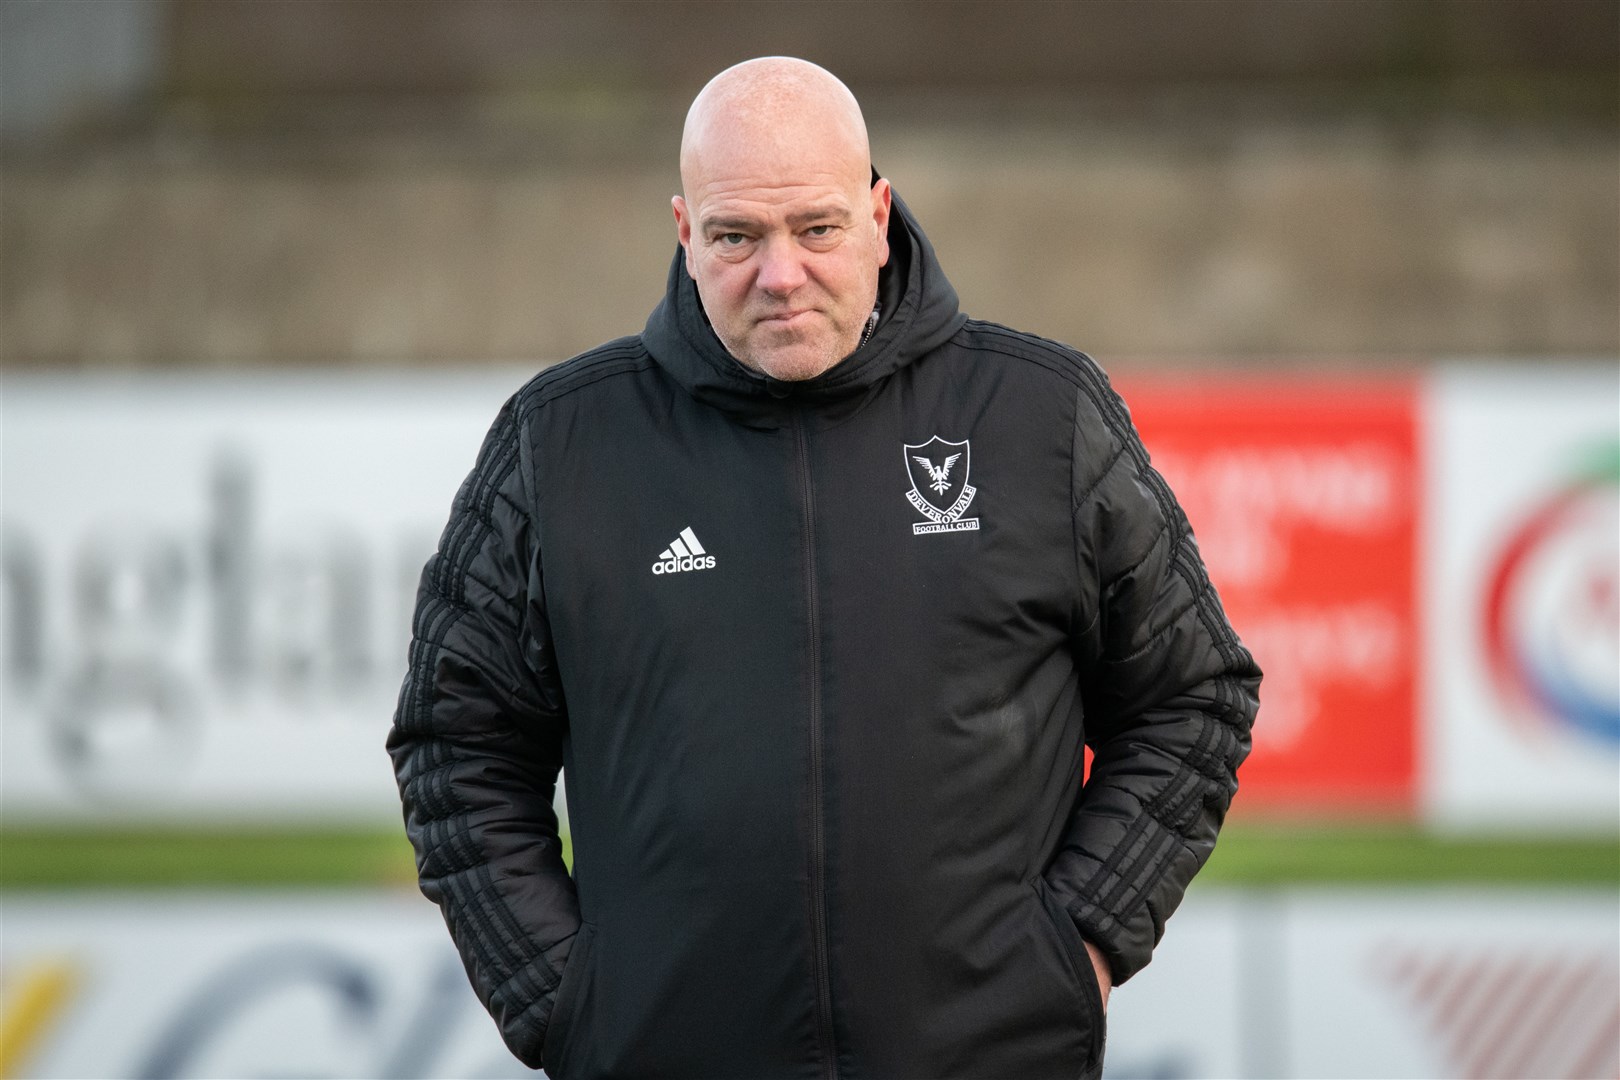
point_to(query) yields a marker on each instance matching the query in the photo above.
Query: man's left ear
(683, 232)
(882, 205)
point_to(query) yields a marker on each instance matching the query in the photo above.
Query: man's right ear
(683, 231)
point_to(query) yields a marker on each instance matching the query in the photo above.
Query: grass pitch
(1249, 853)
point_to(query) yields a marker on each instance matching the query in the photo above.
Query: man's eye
(733, 239)
(819, 230)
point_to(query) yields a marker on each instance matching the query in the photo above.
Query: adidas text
(691, 562)
(684, 553)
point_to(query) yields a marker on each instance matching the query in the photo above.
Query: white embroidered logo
(941, 475)
(683, 553)
(938, 495)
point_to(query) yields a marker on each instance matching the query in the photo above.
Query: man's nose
(781, 268)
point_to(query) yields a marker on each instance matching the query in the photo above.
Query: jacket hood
(918, 313)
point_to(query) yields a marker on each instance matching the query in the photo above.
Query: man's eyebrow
(727, 224)
(801, 218)
(819, 213)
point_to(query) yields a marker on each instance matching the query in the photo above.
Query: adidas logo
(684, 554)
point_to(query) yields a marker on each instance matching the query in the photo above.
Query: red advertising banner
(1303, 494)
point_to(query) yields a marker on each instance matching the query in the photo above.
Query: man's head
(783, 229)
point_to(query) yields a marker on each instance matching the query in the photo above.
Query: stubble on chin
(795, 361)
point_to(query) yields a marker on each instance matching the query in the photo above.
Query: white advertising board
(1290, 983)
(1447, 983)
(181, 985)
(1183, 1015)
(208, 585)
(1522, 727)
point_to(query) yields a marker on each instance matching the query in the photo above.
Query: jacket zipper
(818, 852)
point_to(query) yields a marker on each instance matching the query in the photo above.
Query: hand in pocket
(1105, 974)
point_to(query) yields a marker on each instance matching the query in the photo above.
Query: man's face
(785, 255)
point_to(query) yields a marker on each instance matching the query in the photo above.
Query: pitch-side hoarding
(207, 584)
(1295, 983)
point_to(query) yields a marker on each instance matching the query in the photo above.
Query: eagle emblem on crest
(940, 491)
(941, 475)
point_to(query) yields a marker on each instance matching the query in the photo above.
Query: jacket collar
(918, 313)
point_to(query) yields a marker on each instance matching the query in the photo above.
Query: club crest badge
(939, 485)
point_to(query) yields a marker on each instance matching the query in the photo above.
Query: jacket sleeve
(1169, 694)
(477, 746)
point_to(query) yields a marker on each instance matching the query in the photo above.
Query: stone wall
(292, 209)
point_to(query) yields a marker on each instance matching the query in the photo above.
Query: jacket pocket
(554, 1051)
(1074, 950)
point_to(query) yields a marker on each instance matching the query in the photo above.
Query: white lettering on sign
(1246, 502)
(1306, 653)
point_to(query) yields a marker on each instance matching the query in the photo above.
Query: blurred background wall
(190, 183)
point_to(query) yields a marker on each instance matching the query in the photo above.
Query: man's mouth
(785, 318)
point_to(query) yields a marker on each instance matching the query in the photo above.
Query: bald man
(817, 591)
(783, 229)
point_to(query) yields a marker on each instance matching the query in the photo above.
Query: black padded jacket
(819, 661)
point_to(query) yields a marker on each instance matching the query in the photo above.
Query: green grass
(1265, 853)
(1250, 853)
(64, 858)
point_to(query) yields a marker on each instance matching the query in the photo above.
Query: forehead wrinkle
(806, 153)
(756, 199)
